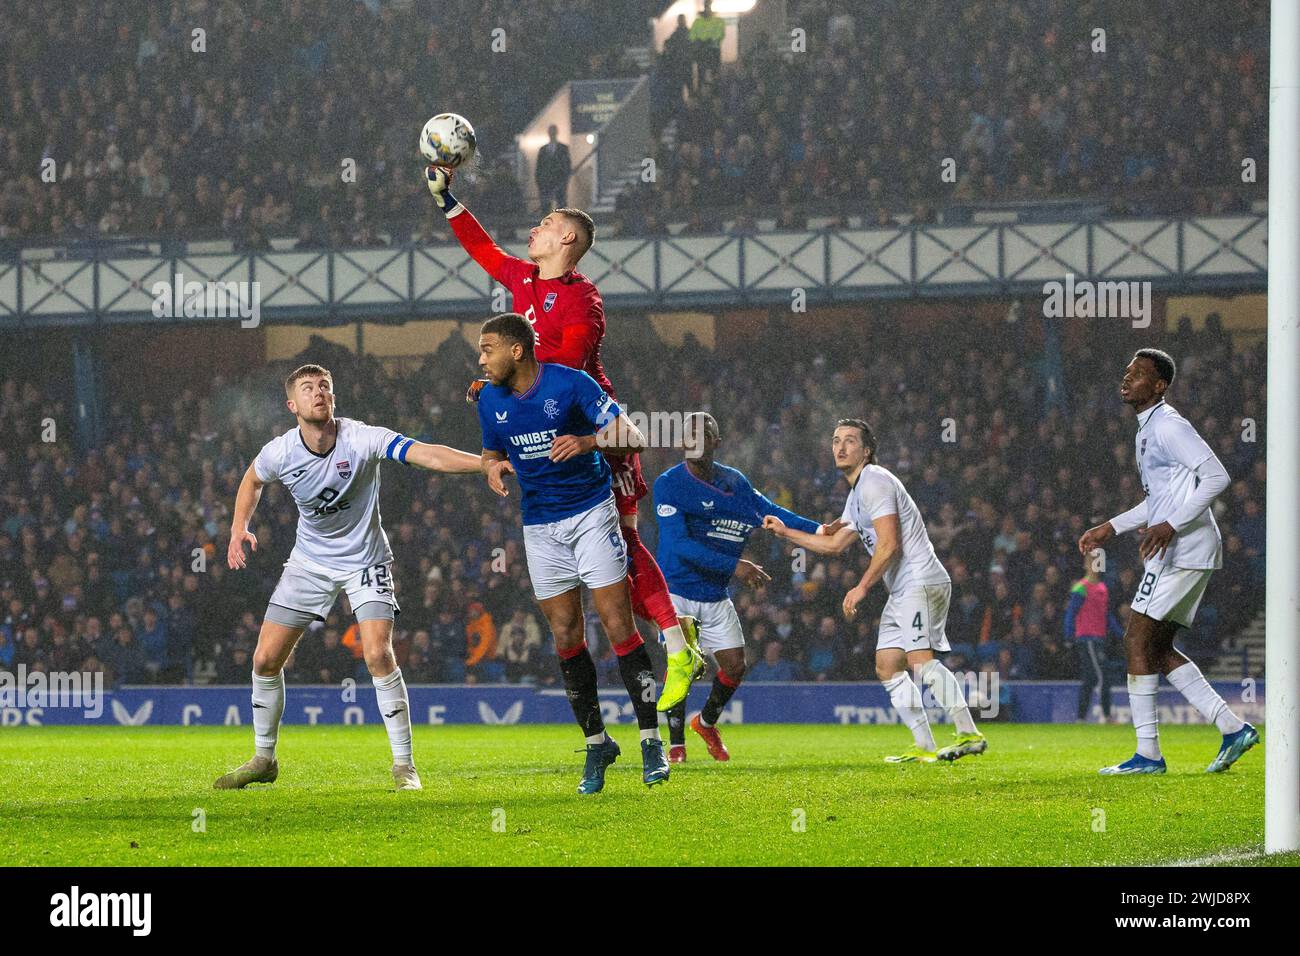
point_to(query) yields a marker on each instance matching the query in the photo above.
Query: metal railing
(1175, 255)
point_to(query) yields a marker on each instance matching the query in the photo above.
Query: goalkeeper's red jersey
(567, 313)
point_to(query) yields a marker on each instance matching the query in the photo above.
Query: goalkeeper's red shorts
(629, 484)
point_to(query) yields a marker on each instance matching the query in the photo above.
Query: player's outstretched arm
(443, 458)
(766, 506)
(469, 233)
(816, 542)
(246, 499)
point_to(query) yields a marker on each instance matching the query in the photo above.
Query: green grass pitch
(792, 795)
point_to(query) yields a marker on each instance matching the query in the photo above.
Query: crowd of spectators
(243, 132)
(860, 119)
(115, 558)
(248, 137)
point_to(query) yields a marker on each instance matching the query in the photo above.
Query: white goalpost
(1282, 660)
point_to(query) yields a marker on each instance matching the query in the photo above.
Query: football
(447, 140)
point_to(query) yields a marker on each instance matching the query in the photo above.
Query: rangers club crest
(551, 408)
(345, 469)
(550, 301)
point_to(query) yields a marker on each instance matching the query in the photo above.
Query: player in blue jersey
(706, 514)
(547, 425)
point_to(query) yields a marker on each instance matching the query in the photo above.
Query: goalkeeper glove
(475, 387)
(439, 180)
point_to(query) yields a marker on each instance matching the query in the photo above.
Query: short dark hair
(512, 327)
(586, 226)
(706, 420)
(1165, 365)
(303, 371)
(868, 436)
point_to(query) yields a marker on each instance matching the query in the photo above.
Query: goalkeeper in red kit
(568, 318)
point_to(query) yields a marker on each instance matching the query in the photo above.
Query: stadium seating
(98, 564)
(245, 140)
(860, 124)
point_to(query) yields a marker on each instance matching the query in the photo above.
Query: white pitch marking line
(1221, 858)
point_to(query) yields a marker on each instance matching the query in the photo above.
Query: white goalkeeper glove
(439, 179)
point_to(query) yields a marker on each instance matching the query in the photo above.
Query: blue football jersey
(704, 526)
(562, 401)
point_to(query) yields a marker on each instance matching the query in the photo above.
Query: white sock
(946, 689)
(650, 733)
(598, 738)
(907, 701)
(395, 708)
(1189, 681)
(268, 708)
(1142, 702)
(674, 639)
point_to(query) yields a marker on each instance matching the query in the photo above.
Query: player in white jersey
(1182, 548)
(331, 468)
(881, 512)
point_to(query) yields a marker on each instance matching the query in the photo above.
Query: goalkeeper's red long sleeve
(475, 240)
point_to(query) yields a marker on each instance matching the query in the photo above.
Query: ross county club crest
(345, 469)
(550, 301)
(551, 408)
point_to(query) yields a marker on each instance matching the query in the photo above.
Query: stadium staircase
(609, 195)
(643, 57)
(1242, 655)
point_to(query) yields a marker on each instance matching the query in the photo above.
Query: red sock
(629, 645)
(571, 652)
(650, 600)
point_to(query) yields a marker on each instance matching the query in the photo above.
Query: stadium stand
(245, 140)
(98, 550)
(860, 125)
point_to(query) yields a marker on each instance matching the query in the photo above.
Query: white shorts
(313, 589)
(1170, 594)
(719, 622)
(915, 620)
(586, 548)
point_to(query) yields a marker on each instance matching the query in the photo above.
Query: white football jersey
(337, 493)
(878, 492)
(1169, 450)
